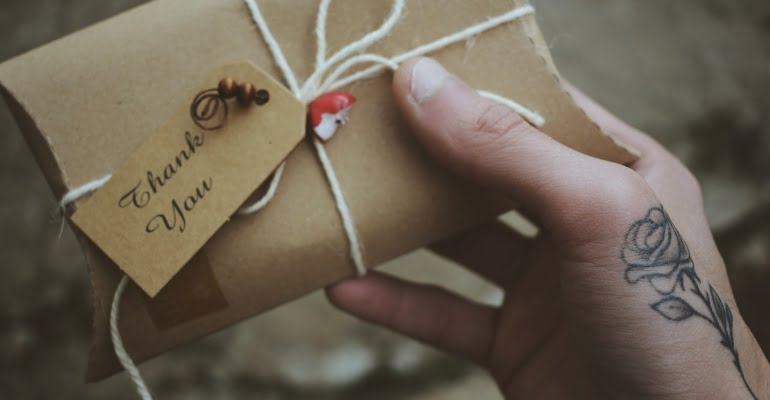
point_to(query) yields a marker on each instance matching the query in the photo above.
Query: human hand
(623, 294)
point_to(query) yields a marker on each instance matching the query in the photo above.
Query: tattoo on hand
(655, 252)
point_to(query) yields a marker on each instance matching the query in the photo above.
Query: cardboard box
(86, 101)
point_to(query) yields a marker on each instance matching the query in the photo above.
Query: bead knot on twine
(206, 104)
(245, 92)
(318, 83)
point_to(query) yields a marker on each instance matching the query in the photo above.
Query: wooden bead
(227, 88)
(245, 93)
(261, 97)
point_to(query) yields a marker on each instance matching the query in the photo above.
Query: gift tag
(187, 179)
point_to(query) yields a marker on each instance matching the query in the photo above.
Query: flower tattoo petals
(654, 251)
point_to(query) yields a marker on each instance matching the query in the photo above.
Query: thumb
(492, 145)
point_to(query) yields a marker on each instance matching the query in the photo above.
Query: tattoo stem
(727, 339)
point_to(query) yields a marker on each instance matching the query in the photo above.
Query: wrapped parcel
(87, 101)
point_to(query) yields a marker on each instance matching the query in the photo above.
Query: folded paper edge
(42, 149)
(98, 318)
(39, 143)
(531, 28)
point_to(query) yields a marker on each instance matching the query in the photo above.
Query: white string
(320, 33)
(81, 191)
(75, 194)
(291, 80)
(273, 45)
(440, 43)
(307, 94)
(117, 343)
(531, 116)
(364, 42)
(354, 245)
(351, 62)
(265, 200)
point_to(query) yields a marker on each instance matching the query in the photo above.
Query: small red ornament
(329, 111)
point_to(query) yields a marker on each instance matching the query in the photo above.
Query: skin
(571, 325)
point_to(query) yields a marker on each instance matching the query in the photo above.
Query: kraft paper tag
(186, 181)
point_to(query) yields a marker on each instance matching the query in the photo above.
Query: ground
(693, 73)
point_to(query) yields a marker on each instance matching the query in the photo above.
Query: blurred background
(693, 73)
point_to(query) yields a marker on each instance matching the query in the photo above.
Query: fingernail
(428, 77)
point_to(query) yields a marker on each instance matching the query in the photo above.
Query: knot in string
(321, 81)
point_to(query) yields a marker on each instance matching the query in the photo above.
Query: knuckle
(688, 181)
(598, 204)
(616, 191)
(625, 187)
(487, 136)
(496, 120)
(671, 179)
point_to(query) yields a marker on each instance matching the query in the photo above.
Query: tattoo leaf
(673, 308)
(723, 317)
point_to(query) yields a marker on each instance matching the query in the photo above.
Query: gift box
(86, 102)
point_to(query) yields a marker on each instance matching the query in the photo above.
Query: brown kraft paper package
(87, 101)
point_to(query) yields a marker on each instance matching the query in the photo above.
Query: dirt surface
(693, 73)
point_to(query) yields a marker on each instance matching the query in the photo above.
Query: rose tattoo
(655, 252)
